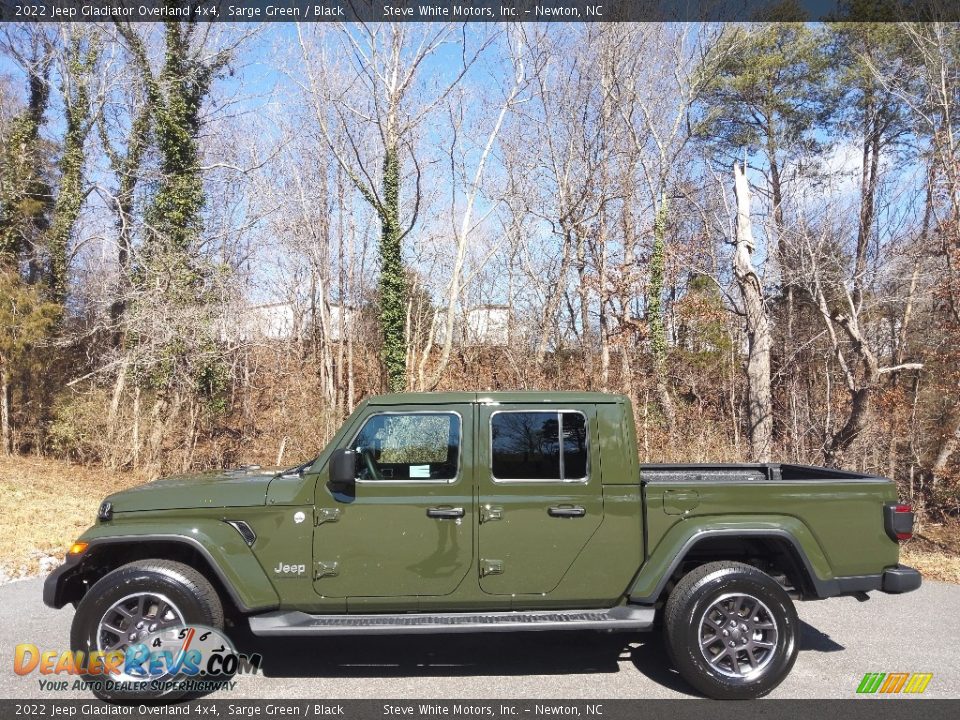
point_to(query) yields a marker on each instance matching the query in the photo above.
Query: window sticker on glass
(419, 471)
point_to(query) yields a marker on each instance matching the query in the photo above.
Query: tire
(190, 597)
(729, 602)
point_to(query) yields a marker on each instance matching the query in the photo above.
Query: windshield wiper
(298, 469)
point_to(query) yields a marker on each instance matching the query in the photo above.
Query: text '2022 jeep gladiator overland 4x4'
(479, 512)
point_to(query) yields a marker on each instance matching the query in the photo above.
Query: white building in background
(280, 321)
(486, 325)
(482, 325)
(273, 321)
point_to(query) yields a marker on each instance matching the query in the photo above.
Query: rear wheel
(731, 630)
(134, 601)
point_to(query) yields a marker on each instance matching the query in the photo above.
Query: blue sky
(260, 90)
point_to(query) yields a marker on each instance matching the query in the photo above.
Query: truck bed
(836, 515)
(746, 473)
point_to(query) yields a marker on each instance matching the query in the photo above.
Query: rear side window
(539, 446)
(409, 446)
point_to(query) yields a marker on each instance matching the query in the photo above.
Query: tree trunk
(948, 445)
(868, 192)
(350, 328)
(342, 298)
(583, 294)
(24, 193)
(658, 333)
(758, 327)
(602, 309)
(393, 285)
(66, 210)
(554, 296)
(626, 379)
(118, 388)
(860, 403)
(5, 446)
(128, 173)
(604, 348)
(947, 448)
(135, 435)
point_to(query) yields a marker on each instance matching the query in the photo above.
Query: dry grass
(46, 504)
(935, 551)
(933, 565)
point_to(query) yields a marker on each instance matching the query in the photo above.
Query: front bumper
(900, 579)
(58, 582)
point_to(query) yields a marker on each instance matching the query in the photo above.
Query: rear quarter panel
(838, 524)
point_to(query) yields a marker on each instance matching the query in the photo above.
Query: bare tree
(760, 415)
(369, 133)
(465, 229)
(823, 277)
(931, 94)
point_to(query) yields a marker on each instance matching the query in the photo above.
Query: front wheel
(731, 630)
(129, 605)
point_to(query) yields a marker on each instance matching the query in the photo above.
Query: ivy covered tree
(25, 315)
(174, 286)
(81, 54)
(25, 159)
(132, 121)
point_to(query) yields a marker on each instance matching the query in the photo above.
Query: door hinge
(325, 569)
(490, 567)
(325, 515)
(488, 513)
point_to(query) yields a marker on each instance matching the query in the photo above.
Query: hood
(243, 487)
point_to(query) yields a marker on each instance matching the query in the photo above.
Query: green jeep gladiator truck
(481, 512)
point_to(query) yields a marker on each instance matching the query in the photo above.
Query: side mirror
(343, 469)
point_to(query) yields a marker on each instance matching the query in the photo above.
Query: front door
(406, 529)
(540, 498)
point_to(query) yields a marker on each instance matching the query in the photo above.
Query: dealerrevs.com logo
(894, 683)
(190, 658)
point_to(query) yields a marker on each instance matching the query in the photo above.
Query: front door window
(409, 447)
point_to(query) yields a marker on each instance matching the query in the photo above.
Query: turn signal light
(77, 548)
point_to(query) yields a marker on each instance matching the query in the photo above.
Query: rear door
(539, 491)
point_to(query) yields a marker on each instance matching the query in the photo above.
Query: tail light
(898, 521)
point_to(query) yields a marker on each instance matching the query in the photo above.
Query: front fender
(684, 535)
(221, 546)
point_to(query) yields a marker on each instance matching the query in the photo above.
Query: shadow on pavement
(649, 657)
(546, 653)
(813, 639)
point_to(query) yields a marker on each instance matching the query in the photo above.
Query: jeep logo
(284, 569)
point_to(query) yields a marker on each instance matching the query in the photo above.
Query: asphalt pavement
(841, 640)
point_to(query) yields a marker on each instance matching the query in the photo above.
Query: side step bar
(298, 623)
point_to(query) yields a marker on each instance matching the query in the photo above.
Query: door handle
(566, 511)
(445, 513)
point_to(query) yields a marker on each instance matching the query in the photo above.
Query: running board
(298, 623)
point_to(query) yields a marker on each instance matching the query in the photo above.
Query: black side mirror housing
(343, 467)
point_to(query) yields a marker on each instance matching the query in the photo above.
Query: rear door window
(539, 446)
